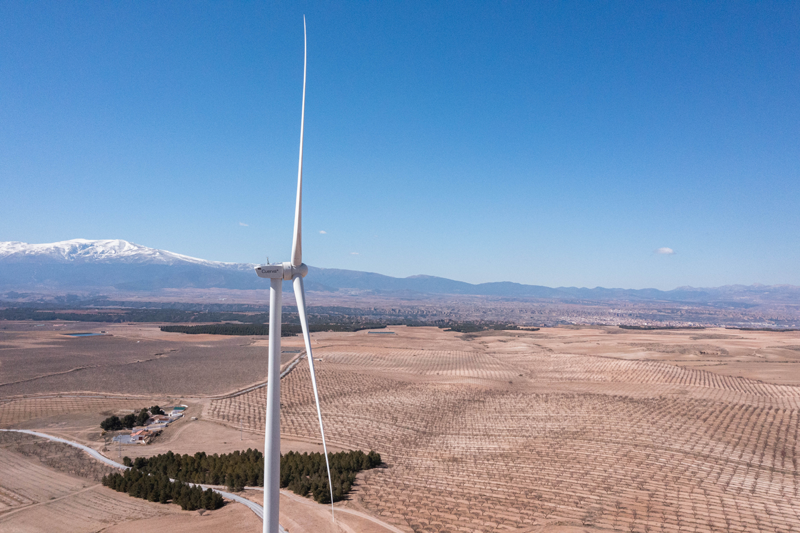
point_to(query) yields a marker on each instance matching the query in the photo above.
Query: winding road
(256, 508)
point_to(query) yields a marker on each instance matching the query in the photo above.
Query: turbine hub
(290, 272)
(285, 271)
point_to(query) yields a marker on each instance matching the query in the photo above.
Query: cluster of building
(155, 425)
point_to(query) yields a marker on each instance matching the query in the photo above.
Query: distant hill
(81, 264)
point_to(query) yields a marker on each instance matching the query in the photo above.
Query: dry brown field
(571, 427)
(133, 359)
(562, 430)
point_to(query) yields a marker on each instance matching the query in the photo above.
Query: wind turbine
(293, 271)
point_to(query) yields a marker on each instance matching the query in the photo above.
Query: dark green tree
(129, 421)
(112, 423)
(142, 417)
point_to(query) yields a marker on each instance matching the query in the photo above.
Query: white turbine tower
(293, 271)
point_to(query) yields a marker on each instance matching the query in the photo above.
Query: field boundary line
(25, 508)
(71, 370)
(26, 380)
(289, 367)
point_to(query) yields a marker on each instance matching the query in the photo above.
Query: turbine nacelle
(284, 271)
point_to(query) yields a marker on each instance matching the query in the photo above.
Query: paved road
(94, 453)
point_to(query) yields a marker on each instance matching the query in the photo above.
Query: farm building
(177, 412)
(139, 436)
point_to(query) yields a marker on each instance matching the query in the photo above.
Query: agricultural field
(562, 429)
(62, 412)
(34, 497)
(130, 359)
(585, 427)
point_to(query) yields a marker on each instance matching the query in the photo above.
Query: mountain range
(80, 265)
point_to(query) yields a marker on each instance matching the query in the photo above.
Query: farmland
(48, 361)
(527, 428)
(34, 497)
(626, 430)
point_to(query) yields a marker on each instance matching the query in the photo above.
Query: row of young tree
(159, 488)
(115, 423)
(302, 473)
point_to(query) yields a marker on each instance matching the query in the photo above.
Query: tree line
(130, 315)
(174, 315)
(648, 328)
(474, 327)
(304, 474)
(287, 330)
(119, 316)
(159, 488)
(781, 330)
(235, 470)
(324, 318)
(115, 423)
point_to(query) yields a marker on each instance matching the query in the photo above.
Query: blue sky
(557, 143)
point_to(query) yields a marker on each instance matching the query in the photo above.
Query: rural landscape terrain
(567, 428)
(399, 267)
(534, 267)
(492, 407)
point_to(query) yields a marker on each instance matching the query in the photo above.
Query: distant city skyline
(577, 144)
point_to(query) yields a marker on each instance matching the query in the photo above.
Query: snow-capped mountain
(81, 264)
(100, 251)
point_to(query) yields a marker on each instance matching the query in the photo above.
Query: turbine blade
(300, 297)
(297, 244)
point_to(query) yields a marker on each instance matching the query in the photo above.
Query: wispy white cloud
(323, 232)
(665, 251)
(243, 224)
(353, 253)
